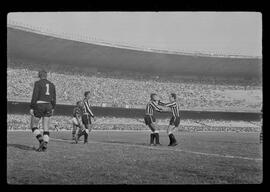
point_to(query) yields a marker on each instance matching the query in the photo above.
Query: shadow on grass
(81, 140)
(125, 142)
(23, 147)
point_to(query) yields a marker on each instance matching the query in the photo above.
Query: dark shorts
(43, 110)
(86, 119)
(175, 121)
(148, 119)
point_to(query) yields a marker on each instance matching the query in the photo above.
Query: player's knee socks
(46, 136)
(152, 137)
(170, 137)
(85, 137)
(157, 137)
(173, 138)
(86, 133)
(37, 134)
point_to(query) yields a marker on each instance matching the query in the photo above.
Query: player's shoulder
(50, 82)
(38, 81)
(85, 100)
(152, 102)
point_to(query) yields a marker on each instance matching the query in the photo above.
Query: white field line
(228, 125)
(170, 149)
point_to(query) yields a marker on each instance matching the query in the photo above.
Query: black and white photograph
(134, 98)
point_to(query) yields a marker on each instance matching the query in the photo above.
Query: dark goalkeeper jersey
(44, 90)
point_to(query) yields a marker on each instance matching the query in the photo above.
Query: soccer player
(261, 133)
(86, 117)
(77, 119)
(42, 107)
(150, 120)
(175, 119)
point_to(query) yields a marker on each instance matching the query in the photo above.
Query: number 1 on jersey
(47, 89)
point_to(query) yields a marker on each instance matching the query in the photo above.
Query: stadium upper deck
(36, 44)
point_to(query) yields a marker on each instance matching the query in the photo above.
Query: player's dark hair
(152, 96)
(42, 74)
(86, 93)
(173, 95)
(77, 103)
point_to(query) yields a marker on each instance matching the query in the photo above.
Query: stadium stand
(76, 65)
(132, 89)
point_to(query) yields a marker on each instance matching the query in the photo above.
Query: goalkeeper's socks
(46, 136)
(37, 133)
(44, 147)
(73, 134)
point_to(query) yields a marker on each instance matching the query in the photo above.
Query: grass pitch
(124, 157)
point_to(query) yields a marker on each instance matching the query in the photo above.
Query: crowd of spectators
(129, 89)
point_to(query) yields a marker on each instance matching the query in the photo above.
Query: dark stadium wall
(41, 48)
(66, 110)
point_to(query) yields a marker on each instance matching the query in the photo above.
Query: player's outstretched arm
(161, 103)
(156, 107)
(170, 104)
(166, 106)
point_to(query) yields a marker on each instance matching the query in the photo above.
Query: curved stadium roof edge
(93, 40)
(36, 45)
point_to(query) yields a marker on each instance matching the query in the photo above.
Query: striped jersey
(174, 107)
(86, 108)
(151, 106)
